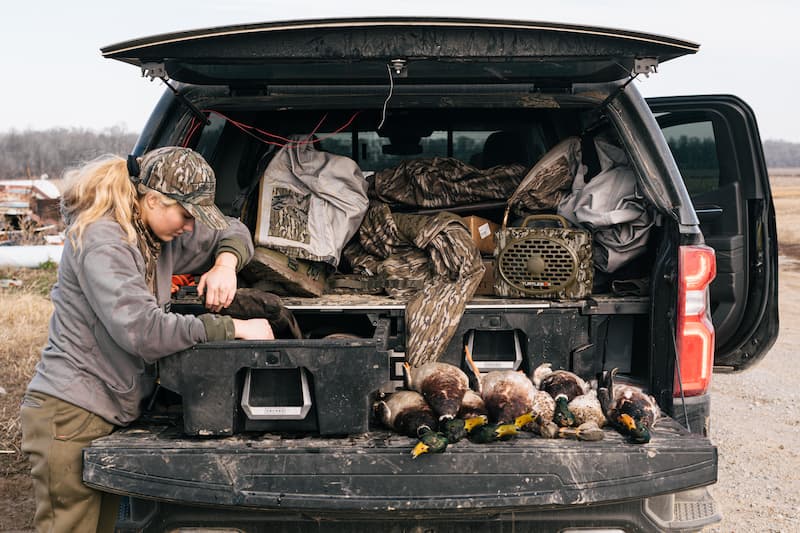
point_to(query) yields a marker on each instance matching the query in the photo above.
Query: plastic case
(316, 386)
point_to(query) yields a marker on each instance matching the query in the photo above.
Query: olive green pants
(54, 433)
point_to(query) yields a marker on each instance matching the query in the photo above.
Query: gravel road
(755, 417)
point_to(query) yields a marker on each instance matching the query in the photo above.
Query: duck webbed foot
(588, 431)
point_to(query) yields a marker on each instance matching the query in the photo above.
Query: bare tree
(32, 153)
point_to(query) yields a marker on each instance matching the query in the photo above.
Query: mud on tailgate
(375, 472)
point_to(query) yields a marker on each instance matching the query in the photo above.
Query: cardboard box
(285, 275)
(482, 231)
(486, 286)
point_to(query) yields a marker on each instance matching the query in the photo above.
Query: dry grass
(24, 314)
(786, 195)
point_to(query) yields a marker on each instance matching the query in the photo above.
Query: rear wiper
(157, 70)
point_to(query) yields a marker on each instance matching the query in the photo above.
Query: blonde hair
(102, 188)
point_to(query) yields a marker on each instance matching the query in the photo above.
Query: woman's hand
(253, 329)
(219, 283)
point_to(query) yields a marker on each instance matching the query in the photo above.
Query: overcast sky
(53, 74)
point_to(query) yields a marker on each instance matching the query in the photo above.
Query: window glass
(210, 136)
(694, 148)
(467, 145)
(378, 153)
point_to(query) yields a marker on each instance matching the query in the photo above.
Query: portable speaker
(543, 262)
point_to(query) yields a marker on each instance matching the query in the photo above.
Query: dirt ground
(755, 416)
(759, 486)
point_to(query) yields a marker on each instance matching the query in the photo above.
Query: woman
(131, 225)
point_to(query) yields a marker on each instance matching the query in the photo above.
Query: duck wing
(472, 405)
(543, 406)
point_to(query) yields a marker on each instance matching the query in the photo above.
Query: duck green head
(457, 428)
(562, 416)
(430, 442)
(493, 432)
(634, 429)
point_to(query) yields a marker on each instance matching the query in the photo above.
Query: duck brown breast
(561, 383)
(444, 392)
(506, 401)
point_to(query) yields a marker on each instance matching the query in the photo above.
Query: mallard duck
(563, 386)
(492, 432)
(471, 415)
(586, 431)
(506, 393)
(550, 430)
(408, 413)
(443, 385)
(627, 407)
(542, 412)
(587, 408)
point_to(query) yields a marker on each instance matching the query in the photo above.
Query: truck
(281, 435)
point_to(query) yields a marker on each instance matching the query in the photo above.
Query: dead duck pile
(439, 406)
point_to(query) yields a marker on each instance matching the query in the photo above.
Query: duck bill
(505, 430)
(628, 422)
(419, 449)
(523, 420)
(475, 422)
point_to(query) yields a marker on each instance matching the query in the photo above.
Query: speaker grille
(538, 265)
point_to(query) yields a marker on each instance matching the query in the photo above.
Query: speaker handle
(549, 217)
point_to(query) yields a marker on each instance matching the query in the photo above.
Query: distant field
(784, 172)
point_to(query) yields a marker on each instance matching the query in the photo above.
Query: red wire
(192, 130)
(246, 128)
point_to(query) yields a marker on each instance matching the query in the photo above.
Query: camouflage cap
(183, 175)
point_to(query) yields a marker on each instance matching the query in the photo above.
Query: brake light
(697, 266)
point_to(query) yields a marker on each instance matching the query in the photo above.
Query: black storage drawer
(279, 385)
(521, 338)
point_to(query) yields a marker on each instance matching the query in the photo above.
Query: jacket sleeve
(128, 315)
(195, 252)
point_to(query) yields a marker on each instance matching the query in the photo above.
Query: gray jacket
(106, 326)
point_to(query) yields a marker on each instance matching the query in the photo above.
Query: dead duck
(408, 413)
(506, 393)
(627, 407)
(492, 432)
(587, 431)
(471, 414)
(441, 384)
(563, 386)
(541, 412)
(587, 408)
(548, 429)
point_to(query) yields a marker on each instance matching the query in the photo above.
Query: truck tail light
(695, 333)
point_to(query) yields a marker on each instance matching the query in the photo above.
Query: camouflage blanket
(444, 182)
(439, 251)
(550, 179)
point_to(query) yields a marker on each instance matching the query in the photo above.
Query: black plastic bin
(290, 383)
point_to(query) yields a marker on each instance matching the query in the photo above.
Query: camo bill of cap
(183, 175)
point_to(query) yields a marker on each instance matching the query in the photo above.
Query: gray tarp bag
(612, 207)
(310, 203)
